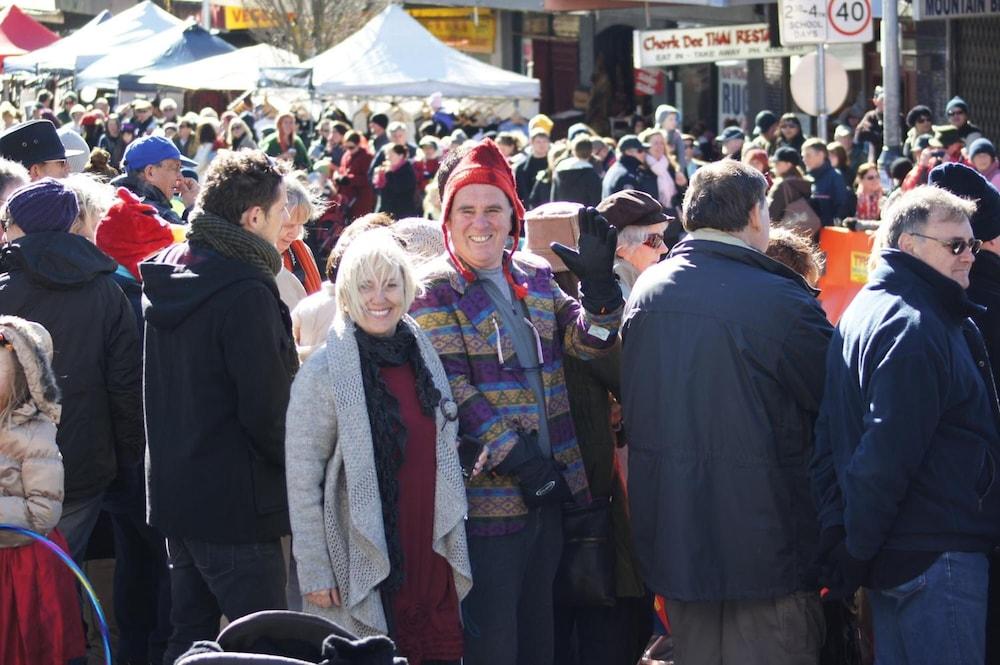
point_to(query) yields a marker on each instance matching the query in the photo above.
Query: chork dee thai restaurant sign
(751, 41)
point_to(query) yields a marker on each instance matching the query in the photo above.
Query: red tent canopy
(20, 34)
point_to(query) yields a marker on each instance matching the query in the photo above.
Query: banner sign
(649, 82)
(456, 27)
(654, 48)
(924, 10)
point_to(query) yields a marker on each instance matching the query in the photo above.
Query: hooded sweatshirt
(64, 283)
(219, 362)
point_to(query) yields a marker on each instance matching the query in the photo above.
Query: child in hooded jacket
(39, 611)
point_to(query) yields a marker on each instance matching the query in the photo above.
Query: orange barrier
(846, 270)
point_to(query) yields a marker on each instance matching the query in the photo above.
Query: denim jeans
(208, 580)
(508, 612)
(938, 617)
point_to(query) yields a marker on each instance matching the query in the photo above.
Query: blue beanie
(982, 146)
(956, 102)
(967, 183)
(43, 205)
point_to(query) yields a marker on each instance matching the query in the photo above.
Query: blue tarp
(180, 45)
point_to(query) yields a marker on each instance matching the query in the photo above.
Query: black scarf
(234, 242)
(388, 431)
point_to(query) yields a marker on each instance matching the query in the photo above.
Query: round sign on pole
(849, 18)
(803, 84)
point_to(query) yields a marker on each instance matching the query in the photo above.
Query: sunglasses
(57, 162)
(956, 245)
(956, 112)
(653, 240)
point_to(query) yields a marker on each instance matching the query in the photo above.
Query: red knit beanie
(484, 165)
(131, 231)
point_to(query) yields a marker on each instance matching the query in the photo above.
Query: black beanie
(966, 182)
(380, 119)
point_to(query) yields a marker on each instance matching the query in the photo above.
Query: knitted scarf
(234, 242)
(388, 430)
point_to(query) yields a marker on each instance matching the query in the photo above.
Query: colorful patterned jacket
(494, 398)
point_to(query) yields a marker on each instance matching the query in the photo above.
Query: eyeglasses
(57, 162)
(956, 245)
(653, 240)
(956, 112)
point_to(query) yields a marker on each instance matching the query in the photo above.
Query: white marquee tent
(237, 70)
(98, 37)
(394, 56)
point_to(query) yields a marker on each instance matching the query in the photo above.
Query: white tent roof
(394, 56)
(238, 70)
(96, 38)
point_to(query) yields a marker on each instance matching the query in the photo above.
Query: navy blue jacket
(908, 437)
(628, 173)
(722, 376)
(830, 197)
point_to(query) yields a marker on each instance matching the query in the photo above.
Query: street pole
(821, 91)
(206, 15)
(891, 84)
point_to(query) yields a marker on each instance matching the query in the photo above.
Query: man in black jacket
(630, 171)
(575, 179)
(219, 361)
(722, 375)
(984, 289)
(830, 196)
(65, 283)
(908, 440)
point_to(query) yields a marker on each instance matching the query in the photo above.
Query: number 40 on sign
(825, 21)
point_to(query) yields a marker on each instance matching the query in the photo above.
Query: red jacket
(353, 185)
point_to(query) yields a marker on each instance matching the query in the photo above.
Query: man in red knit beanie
(501, 326)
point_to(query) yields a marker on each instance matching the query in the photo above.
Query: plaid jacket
(495, 400)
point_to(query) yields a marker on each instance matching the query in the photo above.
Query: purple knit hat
(43, 205)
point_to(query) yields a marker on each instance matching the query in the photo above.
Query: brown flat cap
(631, 207)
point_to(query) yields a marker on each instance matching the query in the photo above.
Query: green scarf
(234, 242)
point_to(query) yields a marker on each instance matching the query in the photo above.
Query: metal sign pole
(821, 109)
(890, 82)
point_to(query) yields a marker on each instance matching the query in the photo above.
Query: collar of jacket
(898, 267)
(740, 251)
(142, 189)
(522, 273)
(816, 173)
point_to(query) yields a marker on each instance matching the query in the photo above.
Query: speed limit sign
(851, 19)
(825, 21)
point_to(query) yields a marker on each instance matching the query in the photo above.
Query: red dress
(40, 619)
(359, 196)
(425, 610)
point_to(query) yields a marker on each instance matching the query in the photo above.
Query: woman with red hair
(284, 143)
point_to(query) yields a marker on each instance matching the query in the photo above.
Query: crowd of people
(494, 398)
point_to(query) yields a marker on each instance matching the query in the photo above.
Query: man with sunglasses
(957, 111)
(37, 146)
(908, 440)
(722, 373)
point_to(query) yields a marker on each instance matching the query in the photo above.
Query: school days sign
(652, 48)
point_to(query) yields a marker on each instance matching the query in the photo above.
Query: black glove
(593, 264)
(844, 574)
(540, 478)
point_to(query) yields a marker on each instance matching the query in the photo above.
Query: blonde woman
(375, 489)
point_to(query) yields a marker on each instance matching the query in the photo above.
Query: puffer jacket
(494, 399)
(31, 476)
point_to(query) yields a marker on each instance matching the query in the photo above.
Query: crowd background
(344, 182)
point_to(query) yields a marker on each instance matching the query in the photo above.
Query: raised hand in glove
(539, 477)
(593, 264)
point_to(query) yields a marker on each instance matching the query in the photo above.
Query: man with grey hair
(722, 375)
(908, 439)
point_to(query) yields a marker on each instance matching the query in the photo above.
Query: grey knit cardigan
(333, 497)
